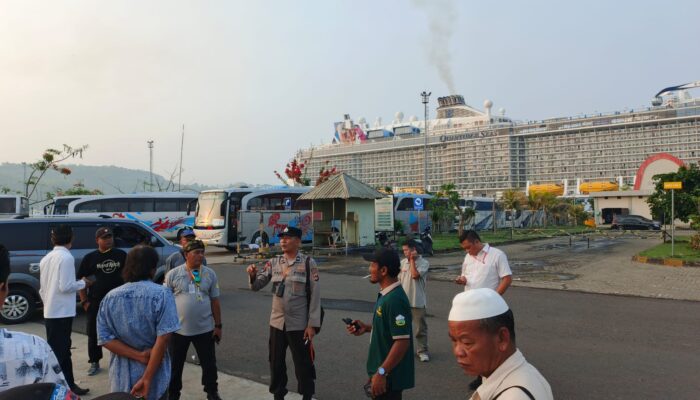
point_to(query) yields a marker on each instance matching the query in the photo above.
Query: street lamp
(150, 151)
(426, 98)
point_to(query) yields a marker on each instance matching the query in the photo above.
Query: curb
(669, 262)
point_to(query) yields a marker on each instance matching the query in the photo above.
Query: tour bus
(164, 212)
(412, 220)
(251, 216)
(59, 205)
(13, 206)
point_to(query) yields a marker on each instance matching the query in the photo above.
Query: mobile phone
(348, 321)
(217, 339)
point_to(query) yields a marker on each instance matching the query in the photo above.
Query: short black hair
(469, 235)
(411, 243)
(4, 264)
(493, 324)
(61, 235)
(140, 264)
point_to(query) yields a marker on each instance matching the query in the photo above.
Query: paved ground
(588, 345)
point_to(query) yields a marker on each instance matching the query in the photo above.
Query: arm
(216, 312)
(314, 302)
(66, 276)
(396, 354)
(258, 280)
(120, 348)
(142, 387)
(504, 284)
(415, 274)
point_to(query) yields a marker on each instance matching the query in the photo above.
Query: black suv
(28, 241)
(630, 222)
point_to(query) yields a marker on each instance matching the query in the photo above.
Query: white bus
(413, 221)
(229, 217)
(59, 205)
(13, 206)
(164, 212)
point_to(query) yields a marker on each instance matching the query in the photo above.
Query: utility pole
(150, 151)
(426, 99)
(182, 145)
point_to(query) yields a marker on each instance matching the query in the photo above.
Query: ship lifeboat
(552, 188)
(588, 187)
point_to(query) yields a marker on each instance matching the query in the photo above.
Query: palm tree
(512, 200)
(547, 201)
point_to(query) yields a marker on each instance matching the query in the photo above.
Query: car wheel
(19, 306)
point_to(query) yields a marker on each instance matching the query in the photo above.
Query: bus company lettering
(108, 266)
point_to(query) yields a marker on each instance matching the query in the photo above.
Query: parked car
(28, 241)
(630, 222)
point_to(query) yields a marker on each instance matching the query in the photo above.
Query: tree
(79, 189)
(50, 160)
(447, 191)
(578, 213)
(544, 201)
(441, 213)
(686, 199)
(513, 200)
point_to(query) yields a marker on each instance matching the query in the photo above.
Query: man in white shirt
(482, 330)
(24, 359)
(414, 270)
(58, 293)
(484, 266)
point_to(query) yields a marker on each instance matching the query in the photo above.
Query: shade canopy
(342, 186)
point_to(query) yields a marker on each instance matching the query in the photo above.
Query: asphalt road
(586, 345)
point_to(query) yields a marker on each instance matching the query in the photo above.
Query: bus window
(141, 205)
(166, 205)
(301, 205)
(88, 207)
(406, 204)
(115, 205)
(7, 206)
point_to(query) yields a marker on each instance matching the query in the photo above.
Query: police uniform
(289, 317)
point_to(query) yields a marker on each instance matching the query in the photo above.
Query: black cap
(290, 231)
(193, 245)
(103, 231)
(385, 258)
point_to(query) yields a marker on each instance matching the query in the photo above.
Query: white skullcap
(477, 304)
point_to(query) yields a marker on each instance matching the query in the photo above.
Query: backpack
(308, 294)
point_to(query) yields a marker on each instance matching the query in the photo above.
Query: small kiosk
(343, 212)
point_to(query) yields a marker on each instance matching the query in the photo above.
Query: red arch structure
(648, 161)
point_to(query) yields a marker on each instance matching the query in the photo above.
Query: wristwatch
(381, 371)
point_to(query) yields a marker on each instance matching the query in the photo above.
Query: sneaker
(94, 369)
(213, 396)
(78, 390)
(423, 357)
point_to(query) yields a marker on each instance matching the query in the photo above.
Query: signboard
(418, 204)
(384, 214)
(673, 185)
(287, 203)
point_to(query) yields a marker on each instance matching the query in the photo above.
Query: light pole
(150, 151)
(426, 98)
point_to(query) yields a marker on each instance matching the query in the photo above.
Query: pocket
(298, 285)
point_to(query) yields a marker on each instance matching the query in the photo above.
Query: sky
(252, 82)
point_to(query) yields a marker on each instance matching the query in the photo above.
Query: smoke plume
(442, 17)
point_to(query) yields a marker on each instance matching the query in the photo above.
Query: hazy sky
(255, 81)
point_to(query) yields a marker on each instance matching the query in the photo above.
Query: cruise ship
(485, 153)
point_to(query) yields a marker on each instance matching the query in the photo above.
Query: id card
(190, 288)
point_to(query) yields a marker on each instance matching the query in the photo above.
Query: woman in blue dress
(134, 323)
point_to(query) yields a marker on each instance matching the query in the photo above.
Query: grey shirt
(414, 288)
(289, 310)
(193, 301)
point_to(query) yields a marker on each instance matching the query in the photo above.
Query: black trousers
(394, 395)
(94, 351)
(204, 346)
(58, 332)
(303, 366)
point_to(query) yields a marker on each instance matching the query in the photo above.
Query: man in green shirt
(390, 360)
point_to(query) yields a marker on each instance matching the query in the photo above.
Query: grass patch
(450, 241)
(682, 250)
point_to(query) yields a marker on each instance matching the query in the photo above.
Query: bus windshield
(209, 210)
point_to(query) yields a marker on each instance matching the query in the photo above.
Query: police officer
(294, 319)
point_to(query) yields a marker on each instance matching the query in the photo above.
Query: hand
(252, 271)
(86, 305)
(364, 328)
(378, 385)
(414, 255)
(309, 333)
(461, 280)
(141, 388)
(144, 357)
(217, 334)
(87, 281)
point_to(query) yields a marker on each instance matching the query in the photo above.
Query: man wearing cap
(295, 314)
(196, 290)
(390, 361)
(482, 330)
(58, 290)
(184, 236)
(104, 267)
(414, 269)
(484, 266)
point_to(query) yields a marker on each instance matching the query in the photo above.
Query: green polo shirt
(392, 321)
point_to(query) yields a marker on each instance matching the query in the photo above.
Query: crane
(657, 99)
